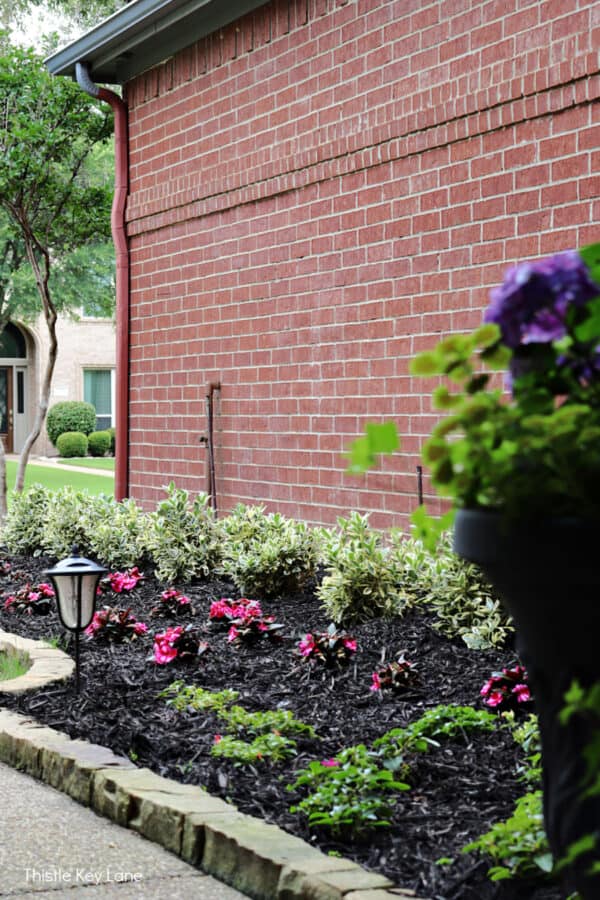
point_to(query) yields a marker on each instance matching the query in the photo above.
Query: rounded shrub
(70, 415)
(111, 432)
(72, 443)
(99, 443)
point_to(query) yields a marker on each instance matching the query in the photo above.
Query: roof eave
(143, 34)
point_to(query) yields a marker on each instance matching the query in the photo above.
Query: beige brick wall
(83, 344)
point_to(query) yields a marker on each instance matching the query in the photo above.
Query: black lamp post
(75, 581)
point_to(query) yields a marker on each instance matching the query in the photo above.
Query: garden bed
(458, 790)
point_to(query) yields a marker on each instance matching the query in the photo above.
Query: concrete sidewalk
(52, 848)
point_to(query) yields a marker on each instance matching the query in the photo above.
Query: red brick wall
(318, 192)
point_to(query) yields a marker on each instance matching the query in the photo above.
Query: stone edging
(258, 859)
(48, 664)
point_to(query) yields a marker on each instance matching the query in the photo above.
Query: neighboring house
(317, 190)
(85, 370)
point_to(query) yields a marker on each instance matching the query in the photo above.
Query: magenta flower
(329, 763)
(232, 634)
(124, 581)
(522, 693)
(376, 686)
(350, 644)
(140, 628)
(307, 645)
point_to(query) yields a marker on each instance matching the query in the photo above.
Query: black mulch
(458, 791)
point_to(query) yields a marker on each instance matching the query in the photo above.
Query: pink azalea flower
(217, 738)
(46, 589)
(329, 763)
(232, 634)
(487, 687)
(522, 692)
(140, 628)
(183, 600)
(376, 686)
(9, 602)
(350, 644)
(168, 595)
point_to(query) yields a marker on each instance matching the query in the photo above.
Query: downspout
(117, 221)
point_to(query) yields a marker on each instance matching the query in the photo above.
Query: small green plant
(70, 415)
(440, 722)
(350, 793)
(272, 746)
(182, 537)
(25, 521)
(465, 603)
(99, 443)
(267, 555)
(251, 736)
(189, 698)
(11, 666)
(527, 736)
(518, 846)
(362, 581)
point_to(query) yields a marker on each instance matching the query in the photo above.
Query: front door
(6, 408)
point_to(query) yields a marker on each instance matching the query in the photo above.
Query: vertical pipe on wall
(117, 220)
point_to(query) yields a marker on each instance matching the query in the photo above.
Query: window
(98, 389)
(12, 343)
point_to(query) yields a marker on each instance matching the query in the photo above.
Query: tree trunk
(41, 277)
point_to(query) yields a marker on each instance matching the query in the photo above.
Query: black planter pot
(548, 576)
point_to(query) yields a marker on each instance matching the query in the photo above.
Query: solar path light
(75, 580)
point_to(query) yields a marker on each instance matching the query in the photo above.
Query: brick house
(317, 189)
(85, 370)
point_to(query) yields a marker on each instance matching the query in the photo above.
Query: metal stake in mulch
(75, 581)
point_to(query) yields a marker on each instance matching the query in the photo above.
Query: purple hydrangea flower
(530, 306)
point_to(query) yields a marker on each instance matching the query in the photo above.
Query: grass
(106, 463)
(11, 666)
(53, 479)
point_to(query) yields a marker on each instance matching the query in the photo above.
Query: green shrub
(182, 537)
(118, 536)
(72, 443)
(267, 555)
(25, 521)
(112, 433)
(99, 443)
(465, 603)
(71, 518)
(362, 580)
(70, 415)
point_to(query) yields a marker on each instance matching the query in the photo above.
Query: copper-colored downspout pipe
(122, 275)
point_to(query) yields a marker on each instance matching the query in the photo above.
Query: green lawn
(91, 462)
(56, 478)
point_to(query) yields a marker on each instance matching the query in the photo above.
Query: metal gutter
(143, 34)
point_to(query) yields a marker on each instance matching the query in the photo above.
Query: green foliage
(527, 736)
(239, 720)
(252, 736)
(465, 603)
(25, 521)
(378, 438)
(362, 581)
(439, 722)
(112, 432)
(349, 794)
(99, 443)
(270, 746)
(71, 517)
(189, 698)
(118, 534)
(518, 846)
(72, 443)
(70, 415)
(584, 703)
(12, 665)
(267, 555)
(182, 537)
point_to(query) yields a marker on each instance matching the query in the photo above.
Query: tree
(48, 127)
